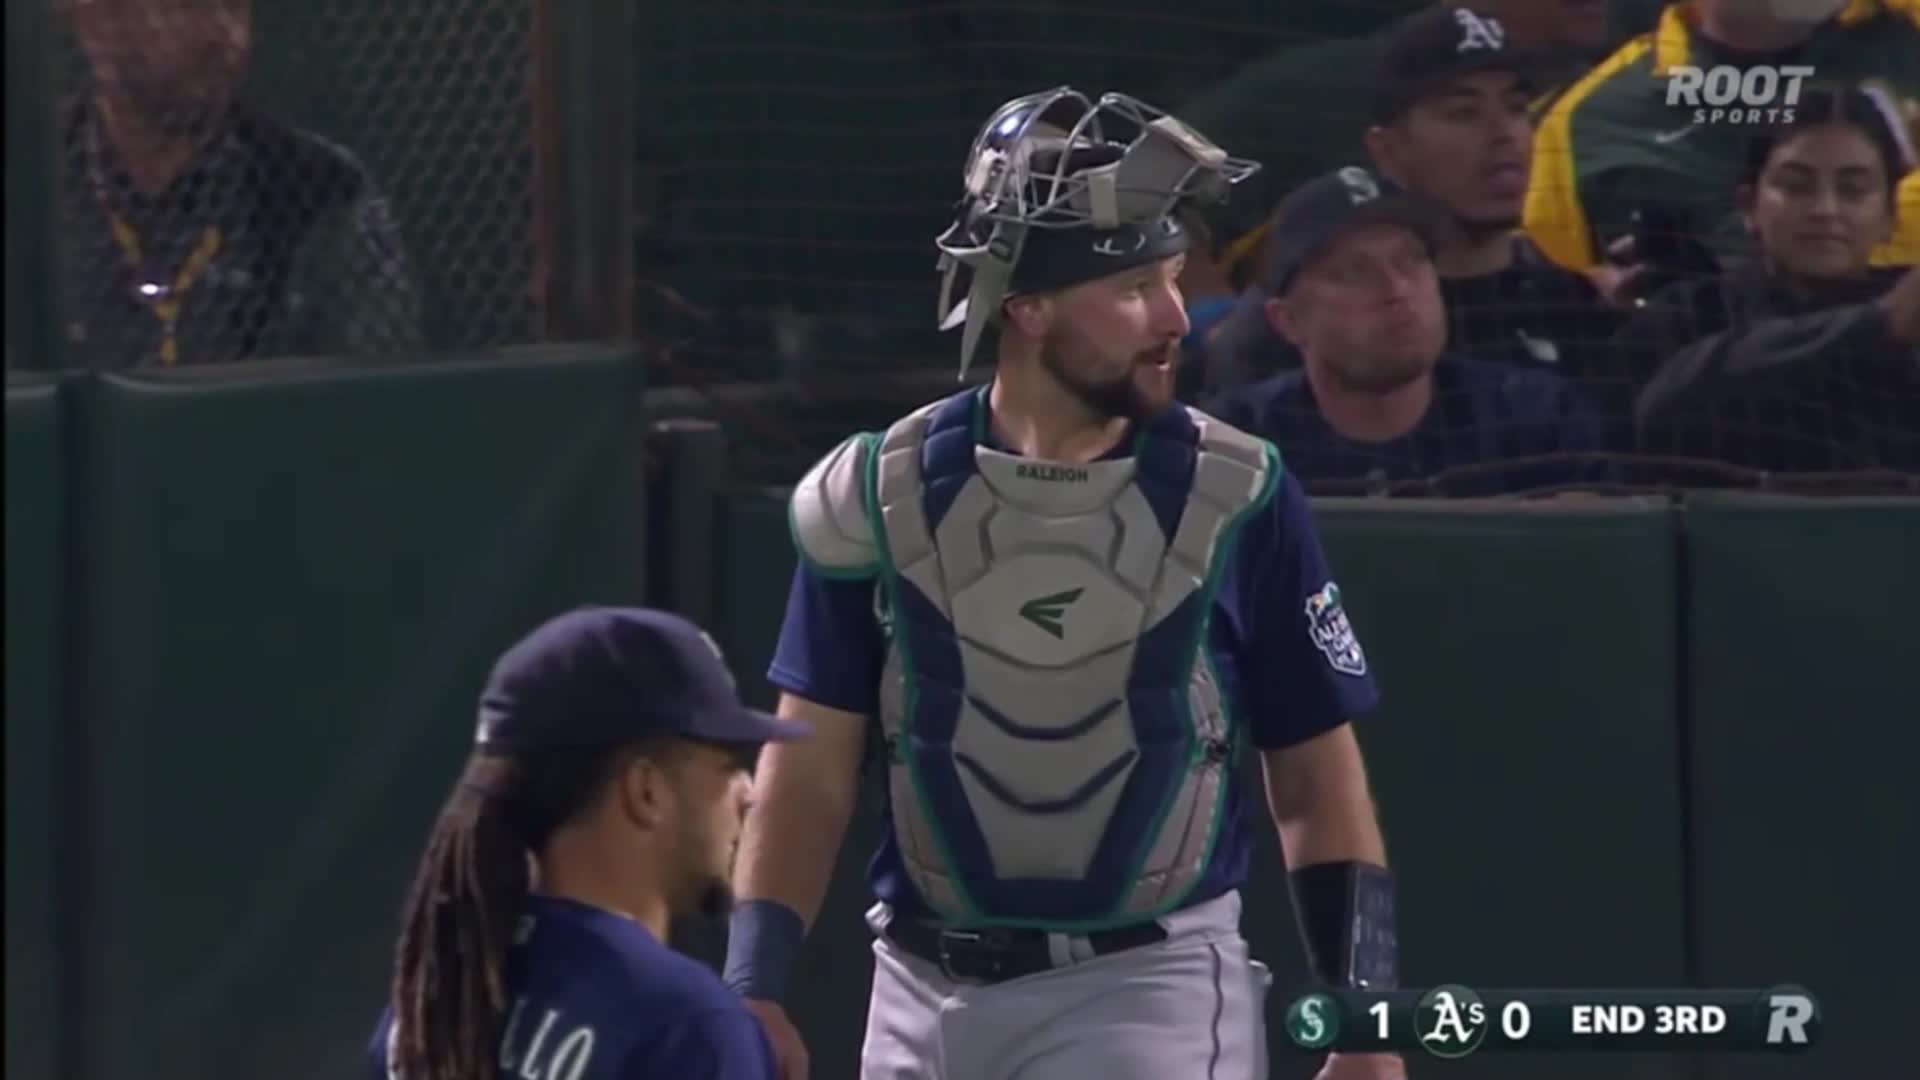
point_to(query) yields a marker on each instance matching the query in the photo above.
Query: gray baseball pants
(1191, 1007)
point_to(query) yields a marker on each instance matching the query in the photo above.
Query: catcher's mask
(1061, 189)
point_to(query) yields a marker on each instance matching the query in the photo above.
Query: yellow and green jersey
(1612, 146)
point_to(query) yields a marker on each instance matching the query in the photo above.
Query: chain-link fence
(801, 159)
(269, 178)
(435, 97)
(243, 180)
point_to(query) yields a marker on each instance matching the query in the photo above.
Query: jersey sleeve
(1302, 670)
(831, 648)
(719, 1044)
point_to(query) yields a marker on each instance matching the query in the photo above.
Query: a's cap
(1320, 210)
(1440, 42)
(603, 676)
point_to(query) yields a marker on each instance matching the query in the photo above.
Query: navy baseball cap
(604, 676)
(1435, 44)
(1319, 211)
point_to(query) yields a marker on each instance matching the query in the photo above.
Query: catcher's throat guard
(1115, 170)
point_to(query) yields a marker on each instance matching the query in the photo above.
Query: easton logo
(1046, 612)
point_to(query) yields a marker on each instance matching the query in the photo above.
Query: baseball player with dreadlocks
(1066, 604)
(612, 762)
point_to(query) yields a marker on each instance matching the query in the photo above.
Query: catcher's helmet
(1062, 189)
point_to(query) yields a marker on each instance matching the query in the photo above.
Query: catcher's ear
(1030, 315)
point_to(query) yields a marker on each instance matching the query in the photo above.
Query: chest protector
(1058, 742)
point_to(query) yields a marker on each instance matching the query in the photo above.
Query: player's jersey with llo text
(595, 997)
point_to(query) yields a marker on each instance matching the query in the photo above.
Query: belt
(1000, 955)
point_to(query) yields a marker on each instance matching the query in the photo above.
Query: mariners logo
(1332, 634)
(1450, 1021)
(1313, 1023)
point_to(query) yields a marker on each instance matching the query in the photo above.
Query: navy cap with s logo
(1320, 210)
(604, 676)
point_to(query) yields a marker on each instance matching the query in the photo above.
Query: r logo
(1790, 1013)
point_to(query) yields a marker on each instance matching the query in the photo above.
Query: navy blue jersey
(595, 997)
(1530, 313)
(1280, 640)
(1492, 429)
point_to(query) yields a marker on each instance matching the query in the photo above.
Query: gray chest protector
(1058, 741)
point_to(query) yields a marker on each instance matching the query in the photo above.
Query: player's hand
(789, 1052)
(1362, 1067)
(1618, 276)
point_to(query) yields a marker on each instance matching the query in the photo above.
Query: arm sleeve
(831, 648)
(1302, 671)
(1758, 354)
(720, 1044)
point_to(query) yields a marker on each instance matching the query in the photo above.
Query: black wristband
(1346, 915)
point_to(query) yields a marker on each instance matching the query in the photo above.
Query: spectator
(1449, 98)
(199, 229)
(1809, 360)
(1619, 173)
(1302, 110)
(1377, 406)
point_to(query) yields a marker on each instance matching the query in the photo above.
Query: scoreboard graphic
(1453, 1021)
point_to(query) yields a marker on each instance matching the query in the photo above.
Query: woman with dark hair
(1808, 360)
(604, 798)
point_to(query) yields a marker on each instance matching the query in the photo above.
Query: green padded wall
(1524, 756)
(304, 580)
(1806, 693)
(35, 587)
(1532, 646)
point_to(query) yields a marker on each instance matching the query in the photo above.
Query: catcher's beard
(1117, 398)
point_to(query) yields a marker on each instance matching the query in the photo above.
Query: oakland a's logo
(1332, 634)
(1451, 1021)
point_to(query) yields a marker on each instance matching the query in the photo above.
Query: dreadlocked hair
(461, 914)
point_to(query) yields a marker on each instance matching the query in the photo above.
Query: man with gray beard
(1379, 406)
(198, 227)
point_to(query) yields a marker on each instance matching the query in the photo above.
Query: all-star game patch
(1332, 633)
